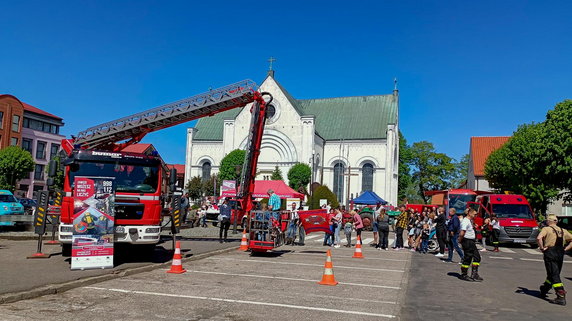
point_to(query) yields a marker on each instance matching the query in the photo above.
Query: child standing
(495, 232)
(348, 231)
(425, 238)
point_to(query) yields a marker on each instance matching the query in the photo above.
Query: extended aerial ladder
(114, 136)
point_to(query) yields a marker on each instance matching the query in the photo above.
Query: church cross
(271, 60)
(349, 174)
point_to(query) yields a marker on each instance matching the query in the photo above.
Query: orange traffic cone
(328, 277)
(177, 265)
(243, 242)
(358, 254)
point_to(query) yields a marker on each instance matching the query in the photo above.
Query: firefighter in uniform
(89, 220)
(551, 241)
(467, 238)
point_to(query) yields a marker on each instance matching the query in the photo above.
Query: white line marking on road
(349, 258)
(505, 250)
(500, 257)
(313, 236)
(299, 307)
(531, 251)
(368, 240)
(305, 264)
(296, 279)
(539, 260)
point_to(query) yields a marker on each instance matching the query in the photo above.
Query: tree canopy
(229, 165)
(431, 170)
(15, 164)
(299, 176)
(195, 188)
(322, 192)
(277, 175)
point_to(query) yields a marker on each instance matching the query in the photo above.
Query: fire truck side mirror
(173, 179)
(52, 168)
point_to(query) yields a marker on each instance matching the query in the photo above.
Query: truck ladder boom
(134, 127)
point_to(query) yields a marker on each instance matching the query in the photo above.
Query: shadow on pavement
(316, 252)
(454, 274)
(268, 254)
(532, 293)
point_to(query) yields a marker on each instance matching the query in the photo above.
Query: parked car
(29, 205)
(9, 205)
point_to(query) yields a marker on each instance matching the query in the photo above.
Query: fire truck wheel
(66, 249)
(215, 224)
(533, 246)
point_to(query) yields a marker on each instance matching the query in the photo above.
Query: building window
(1, 119)
(41, 150)
(206, 171)
(270, 111)
(41, 126)
(14, 141)
(54, 149)
(27, 145)
(16, 123)
(367, 177)
(24, 187)
(39, 173)
(339, 181)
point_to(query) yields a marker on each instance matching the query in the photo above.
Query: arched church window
(206, 173)
(367, 177)
(339, 181)
(270, 111)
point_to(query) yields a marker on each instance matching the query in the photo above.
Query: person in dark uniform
(551, 241)
(467, 238)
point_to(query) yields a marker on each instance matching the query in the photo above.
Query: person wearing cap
(551, 241)
(467, 238)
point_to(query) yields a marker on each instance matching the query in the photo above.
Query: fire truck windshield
(512, 211)
(128, 178)
(459, 201)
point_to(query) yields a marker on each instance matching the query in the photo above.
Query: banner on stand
(93, 223)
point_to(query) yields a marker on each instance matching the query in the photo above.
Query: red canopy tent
(261, 190)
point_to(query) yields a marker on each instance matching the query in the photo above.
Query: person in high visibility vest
(551, 241)
(89, 220)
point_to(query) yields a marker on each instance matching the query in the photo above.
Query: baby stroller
(432, 244)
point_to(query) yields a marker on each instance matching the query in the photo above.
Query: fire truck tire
(533, 246)
(66, 249)
(215, 224)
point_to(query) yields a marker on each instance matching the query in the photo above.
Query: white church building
(356, 135)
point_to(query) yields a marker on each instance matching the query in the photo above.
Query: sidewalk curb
(114, 274)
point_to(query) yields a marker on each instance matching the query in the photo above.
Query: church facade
(334, 136)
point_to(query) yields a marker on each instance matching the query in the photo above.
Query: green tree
(431, 170)
(277, 175)
(229, 165)
(517, 167)
(557, 141)
(299, 176)
(461, 171)
(322, 192)
(195, 188)
(15, 164)
(208, 186)
(404, 179)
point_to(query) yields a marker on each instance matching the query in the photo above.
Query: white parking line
(313, 236)
(539, 260)
(296, 279)
(367, 241)
(500, 257)
(281, 305)
(305, 264)
(349, 258)
(531, 251)
(505, 250)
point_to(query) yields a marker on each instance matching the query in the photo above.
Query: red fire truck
(142, 184)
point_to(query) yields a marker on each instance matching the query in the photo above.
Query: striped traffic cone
(243, 242)
(328, 276)
(177, 265)
(358, 254)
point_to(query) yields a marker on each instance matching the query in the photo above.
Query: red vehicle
(517, 221)
(142, 188)
(419, 208)
(453, 198)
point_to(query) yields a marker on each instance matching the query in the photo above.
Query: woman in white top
(496, 231)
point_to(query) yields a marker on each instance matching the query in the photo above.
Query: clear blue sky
(465, 69)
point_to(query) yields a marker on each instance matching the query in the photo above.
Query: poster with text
(93, 223)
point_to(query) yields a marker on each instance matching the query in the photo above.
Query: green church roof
(359, 117)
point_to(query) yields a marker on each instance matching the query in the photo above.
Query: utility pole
(349, 175)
